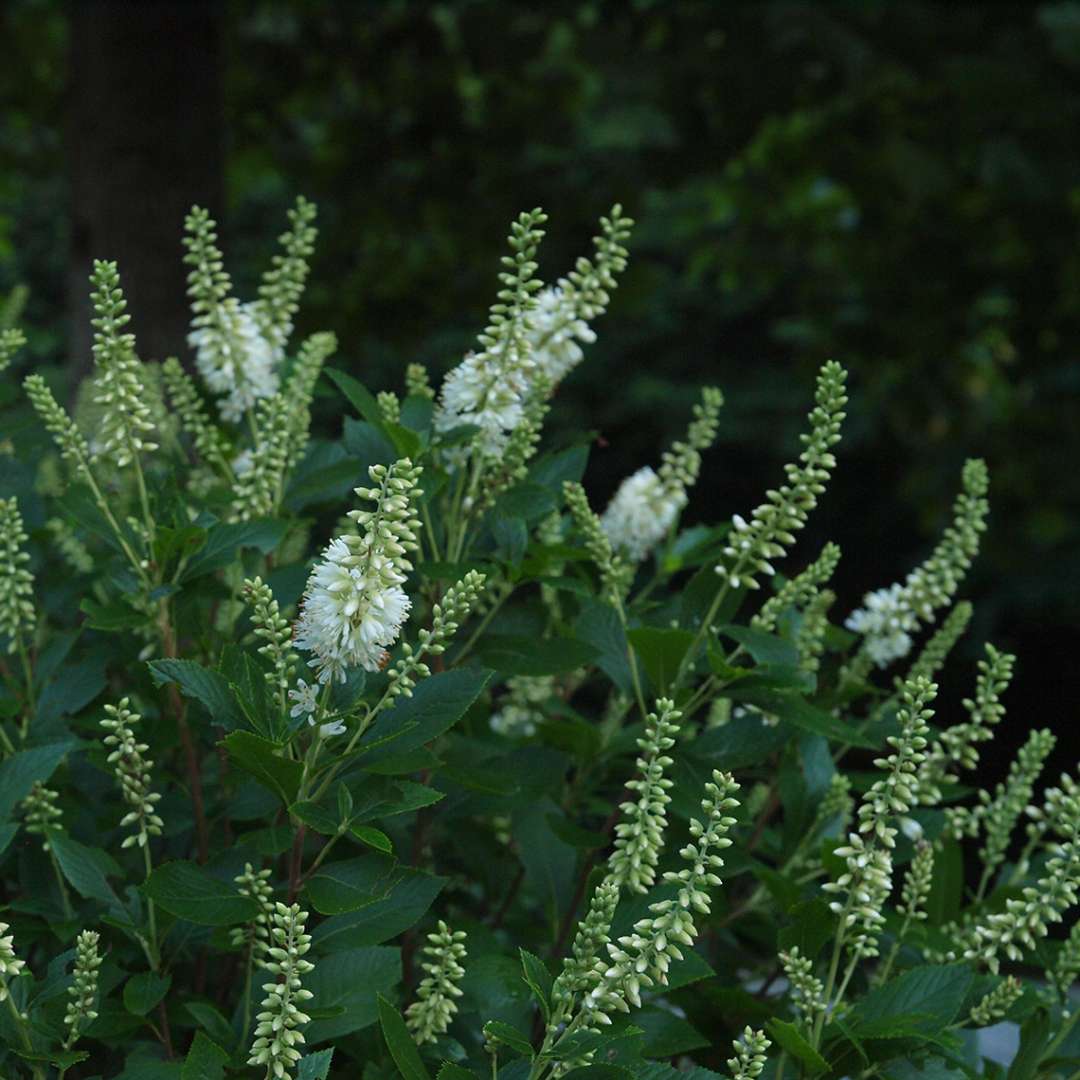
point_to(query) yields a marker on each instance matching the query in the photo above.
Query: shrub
(449, 772)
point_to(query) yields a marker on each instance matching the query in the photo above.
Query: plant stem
(68, 912)
(151, 914)
(28, 675)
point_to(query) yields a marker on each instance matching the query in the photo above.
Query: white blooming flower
(887, 622)
(305, 696)
(351, 614)
(242, 364)
(243, 463)
(486, 393)
(327, 731)
(557, 328)
(640, 513)
(354, 605)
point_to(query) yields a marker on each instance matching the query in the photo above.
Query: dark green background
(893, 185)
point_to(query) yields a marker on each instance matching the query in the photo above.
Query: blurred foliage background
(896, 186)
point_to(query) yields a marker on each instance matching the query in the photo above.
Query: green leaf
(661, 651)
(336, 985)
(764, 648)
(539, 979)
(599, 625)
(789, 1037)
(206, 686)
(374, 838)
(341, 887)
(262, 759)
(211, 1018)
(71, 690)
(1034, 1036)
(922, 1000)
(205, 1060)
(225, 539)
(449, 1071)
(407, 900)
(795, 710)
(358, 395)
(84, 867)
(315, 1066)
(813, 924)
(436, 705)
(143, 991)
(946, 883)
(19, 772)
(400, 1042)
(189, 892)
(112, 616)
(511, 536)
(667, 1035)
(511, 654)
(602, 1070)
(501, 1032)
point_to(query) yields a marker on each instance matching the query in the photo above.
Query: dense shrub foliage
(390, 755)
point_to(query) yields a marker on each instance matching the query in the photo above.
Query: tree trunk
(145, 143)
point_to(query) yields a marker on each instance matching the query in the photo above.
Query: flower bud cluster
(83, 989)
(446, 617)
(641, 959)
(583, 970)
(69, 440)
(274, 630)
(417, 382)
(430, 1015)
(41, 812)
(916, 888)
(132, 768)
(17, 613)
(520, 708)
(615, 574)
(807, 990)
(206, 437)
(772, 526)
(800, 590)
(276, 1037)
(121, 381)
(255, 884)
(71, 548)
(867, 879)
(282, 285)
(11, 341)
(997, 1003)
(1026, 920)
(750, 1050)
(640, 834)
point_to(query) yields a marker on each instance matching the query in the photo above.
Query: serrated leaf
(336, 985)
(501, 1032)
(922, 1000)
(315, 1066)
(449, 1071)
(84, 867)
(374, 838)
(790, 1038)
(538, 979)
(143, 991)
(661, 650)
(400, 1043)
(189, 892)
(436, 705)
(340, 887)
(19, 772)
(261, 758)
(407, 900)
(205, 685)
(764, 648)
(223, 540)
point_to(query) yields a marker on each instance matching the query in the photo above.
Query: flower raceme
(354, 605)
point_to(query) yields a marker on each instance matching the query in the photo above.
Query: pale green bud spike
(615, 574)
(132, 768)
(754, 544)
(11, 341)
(750, 1055)
(83, 989)
(640, 835)
(18, 615)
(277, 1040)
(430, 1015)
(121, 382)
(283, 285)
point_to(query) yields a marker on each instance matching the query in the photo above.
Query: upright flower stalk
(354, 606)
(18, 615)
(436, 998)
(276, 1036)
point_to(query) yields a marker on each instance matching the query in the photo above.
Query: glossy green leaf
(400, 1042)
(187, 891)
(143, 991)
